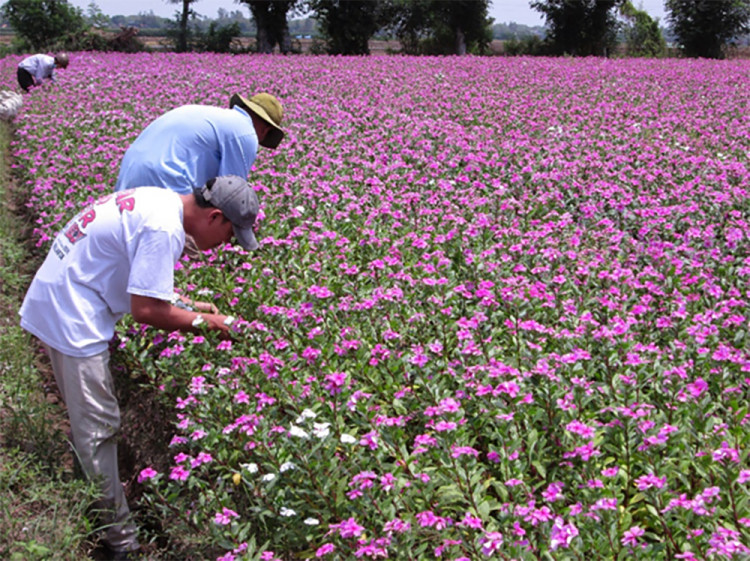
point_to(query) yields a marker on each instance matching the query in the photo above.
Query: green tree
(182, 35)
(462, 25)
(271, 23)
(95, 17)
(439, 26)
(642, 35)
(43, 24)
(704, 27)
(411, 22)
(579, 27)
(218, 38)
(347, 25)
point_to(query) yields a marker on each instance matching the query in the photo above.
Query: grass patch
(43, 507)
(43, 514)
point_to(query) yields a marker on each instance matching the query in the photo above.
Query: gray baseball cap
(237, 200)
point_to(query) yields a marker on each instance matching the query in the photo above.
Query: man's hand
(208, 307)
(163, 315)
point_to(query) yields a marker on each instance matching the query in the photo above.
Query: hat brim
(275, 135)
(246, 238)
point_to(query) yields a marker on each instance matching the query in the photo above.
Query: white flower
(286, 466)
(306, 414)
(311, 521)
(348, 439)
(252, 467)
(296, 431)
(198, 320)
(269, 477)
(229, 320)
(300, 209)
(204, 291)
(286, 511)
(321, 430)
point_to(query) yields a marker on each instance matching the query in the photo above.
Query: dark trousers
(25, 79)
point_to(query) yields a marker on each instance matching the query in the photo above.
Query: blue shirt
(189, 145)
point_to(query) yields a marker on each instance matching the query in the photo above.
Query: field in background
(501, 308)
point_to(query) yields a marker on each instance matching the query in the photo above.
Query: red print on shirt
(125, 201)
(74, 233)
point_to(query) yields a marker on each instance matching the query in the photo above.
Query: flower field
(500, 310)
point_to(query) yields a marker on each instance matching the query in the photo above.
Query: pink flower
(445, 426)
(336, 382)
(458, 451)
(648, 481)
(225, 516)
(325, 549)
(471, 522)
(491, 542)
(370, 440)
(147, 473)
(630, 537)
(370, 550)
(179, 473)
(726, 453)
(348, 528)
(561, 534)
(397, 526)
(320, 291)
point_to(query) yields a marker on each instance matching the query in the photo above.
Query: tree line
(701, 28)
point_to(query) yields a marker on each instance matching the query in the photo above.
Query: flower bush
(500, 309)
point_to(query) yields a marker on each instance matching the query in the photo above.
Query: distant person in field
(38, 69)
(189, 145)
(117, 256)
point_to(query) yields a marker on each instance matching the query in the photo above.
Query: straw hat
(268, 108)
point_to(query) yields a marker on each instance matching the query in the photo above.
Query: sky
(503, 11)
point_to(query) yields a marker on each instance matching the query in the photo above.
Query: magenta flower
(491, 542)
(726, 453)
(147, 473)
(631, 536)
(562, 534)
(648, 481)
(324, 550)
(348, 528)
(225, 516)
(179, 473)
(471, 521)
(396, 526)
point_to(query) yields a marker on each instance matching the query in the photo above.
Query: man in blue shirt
(191, 144)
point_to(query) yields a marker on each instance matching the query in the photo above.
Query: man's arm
(163, 315)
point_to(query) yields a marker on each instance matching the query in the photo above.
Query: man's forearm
(163, 315)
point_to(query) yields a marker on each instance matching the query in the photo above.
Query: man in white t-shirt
(117, 256)
(35, 69)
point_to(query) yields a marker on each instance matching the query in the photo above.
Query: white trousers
(88, 391)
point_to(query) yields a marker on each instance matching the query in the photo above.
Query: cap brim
(246, 238)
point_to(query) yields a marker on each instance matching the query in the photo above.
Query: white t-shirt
(39, 66)
(125, 243)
